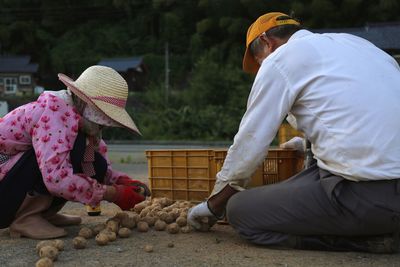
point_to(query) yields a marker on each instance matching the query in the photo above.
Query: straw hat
(103, 88)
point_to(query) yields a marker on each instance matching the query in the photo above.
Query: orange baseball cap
(263, 24)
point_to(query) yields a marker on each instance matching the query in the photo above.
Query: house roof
(122, 64)
(383, 35)
(17, 64)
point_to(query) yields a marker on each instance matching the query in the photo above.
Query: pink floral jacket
(50, 126)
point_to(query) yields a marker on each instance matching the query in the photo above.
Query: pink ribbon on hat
(116, 101)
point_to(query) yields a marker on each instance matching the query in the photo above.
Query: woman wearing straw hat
(51, 151)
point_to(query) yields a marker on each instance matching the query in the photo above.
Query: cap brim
(115, 113)
(250, 65)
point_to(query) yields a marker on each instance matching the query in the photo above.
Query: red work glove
(125, 180)
(127, 196)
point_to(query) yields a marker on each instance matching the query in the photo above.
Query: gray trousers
(315, 203)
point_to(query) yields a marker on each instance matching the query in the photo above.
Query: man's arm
(269, 102)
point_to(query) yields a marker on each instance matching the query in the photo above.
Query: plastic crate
(219, 158)
(280, 164)
(287, 132)
(181, 174)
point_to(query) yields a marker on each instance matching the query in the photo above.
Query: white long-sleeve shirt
(345, 95)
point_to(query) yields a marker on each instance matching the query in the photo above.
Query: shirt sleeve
(268, 103)
(53, 135)
(112, 175)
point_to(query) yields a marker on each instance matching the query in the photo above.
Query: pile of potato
(159, 213)
(163, 214)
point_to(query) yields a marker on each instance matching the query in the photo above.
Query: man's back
(347, 101)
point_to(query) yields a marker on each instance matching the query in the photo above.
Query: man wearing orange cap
(344, 94)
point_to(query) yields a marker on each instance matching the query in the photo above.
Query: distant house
(17, 75)
(3, 108)
(386, 36)
(131, 68)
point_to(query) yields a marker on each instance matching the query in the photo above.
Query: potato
(112, 236)
(150, 220)
(144, 212)
(101, 239)
(181, 221)
(98, 228)
(113, 226)
(174, 205)
(152, 214)
(182, 205)
(79, 242)
(44, 262)
(136, 217)
(85, 232)
(142, 226)
(186, 229)
(140, 206)
(115, 220)
(185, 209)
(173, 228)
(175, 213)
(148, 248)
(124, 232)
(121, 215)
(59, 244)
(169, 218)
(49, 252)
(156, 201)
(168, 201)
(156, 206)
(44, 243)
(170, 245)
(162, 215)
(128, 222)
(160, 225)
(168, 209)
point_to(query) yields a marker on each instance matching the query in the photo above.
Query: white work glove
(198, 212)
(297, 143)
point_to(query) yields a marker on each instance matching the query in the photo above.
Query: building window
(10, 85)
(25, 79)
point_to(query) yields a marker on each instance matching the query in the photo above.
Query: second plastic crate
(287, 132)
(279, 164)
(219, 158)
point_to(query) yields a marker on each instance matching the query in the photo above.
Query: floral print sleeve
(112, 175)
(53, 130)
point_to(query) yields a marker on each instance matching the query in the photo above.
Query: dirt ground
(219, 247)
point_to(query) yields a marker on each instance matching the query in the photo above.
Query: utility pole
(166, 72)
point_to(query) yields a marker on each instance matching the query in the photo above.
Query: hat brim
(115, 113)
(250, 65)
